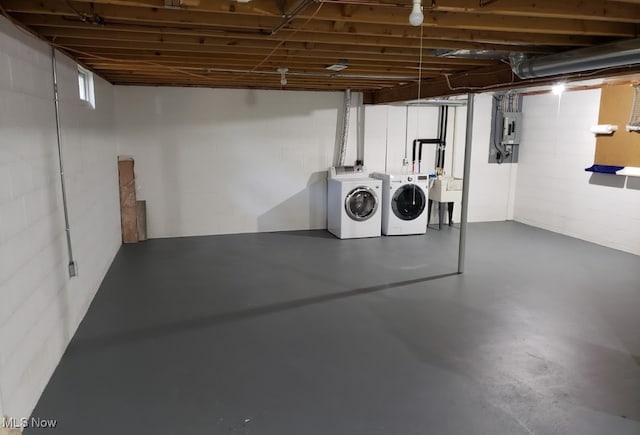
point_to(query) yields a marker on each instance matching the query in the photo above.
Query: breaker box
(506, 128)
(511, 122)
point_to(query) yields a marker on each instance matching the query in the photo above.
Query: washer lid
(361, 203)
(408, 202)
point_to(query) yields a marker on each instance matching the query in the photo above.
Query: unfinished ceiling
(229, 43)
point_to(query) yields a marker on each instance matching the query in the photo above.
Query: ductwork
(345, 127)
(616, 54)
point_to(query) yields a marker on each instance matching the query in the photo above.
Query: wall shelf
(627, 171)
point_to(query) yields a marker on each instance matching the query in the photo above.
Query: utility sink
(447, 189)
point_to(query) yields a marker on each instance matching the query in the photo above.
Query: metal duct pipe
(345, 127)
(615, 54)
(73, 271)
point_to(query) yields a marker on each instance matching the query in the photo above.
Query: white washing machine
(353, 203)
(404, 203)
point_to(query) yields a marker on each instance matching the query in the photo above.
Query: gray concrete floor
(300, 333)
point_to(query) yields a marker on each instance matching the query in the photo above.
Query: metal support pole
(465, 184)
(73, 271)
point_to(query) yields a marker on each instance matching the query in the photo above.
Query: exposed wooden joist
(478, 80)
(224, 43)
(391, 16)
(520, 42)
(312, 57)
(58, 26)
(599, 10)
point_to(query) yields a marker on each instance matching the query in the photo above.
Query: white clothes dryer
(404, 201)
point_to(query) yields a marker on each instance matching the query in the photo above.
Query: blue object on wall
(604, 169)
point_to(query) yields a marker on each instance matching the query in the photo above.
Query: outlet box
(73, 269)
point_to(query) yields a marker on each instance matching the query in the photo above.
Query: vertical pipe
(72, 264)
(465, 185)
(406, 137)
(443, 144)
(360, 123)
(345, 127)
(453, 142)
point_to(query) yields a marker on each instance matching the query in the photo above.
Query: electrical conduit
(72, 264)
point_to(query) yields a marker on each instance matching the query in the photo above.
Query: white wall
(492, 187)
(553, 190)
(230, 161)
(491, 193)
(388, 136)
(40, 307)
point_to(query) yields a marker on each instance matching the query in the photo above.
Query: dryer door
(408, 202)
(361, 203)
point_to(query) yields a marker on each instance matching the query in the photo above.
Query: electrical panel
(511, 122)
(506, 128)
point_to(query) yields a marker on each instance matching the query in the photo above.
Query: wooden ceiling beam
(313, 56)
(266, 81)
(252, 46)
(406, 74)
(186, 82)
(178, 83)
(264, 48)
(392, 37)
(479, 80)
(598, 10)
(331, 12)
(58, 26)
(178, 62)
(456, 84)
(392, 73)
(141, 41)
(271, 81)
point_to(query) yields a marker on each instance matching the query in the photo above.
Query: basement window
(85, 86)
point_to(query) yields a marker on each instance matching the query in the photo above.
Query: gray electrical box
(511, 123)
(506, 128)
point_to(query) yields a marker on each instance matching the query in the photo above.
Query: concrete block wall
(41, 307)
(216, 161)
(553, 190)
(492, 187)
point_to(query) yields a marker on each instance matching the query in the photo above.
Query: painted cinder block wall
(555, 193)
(218, 161)
(40, 306)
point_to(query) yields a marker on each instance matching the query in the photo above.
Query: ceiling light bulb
(416, 17)
(558, 89)
(283, 77)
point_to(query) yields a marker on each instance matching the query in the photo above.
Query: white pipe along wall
(41, 306)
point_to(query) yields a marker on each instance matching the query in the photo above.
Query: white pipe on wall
(345, 127)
